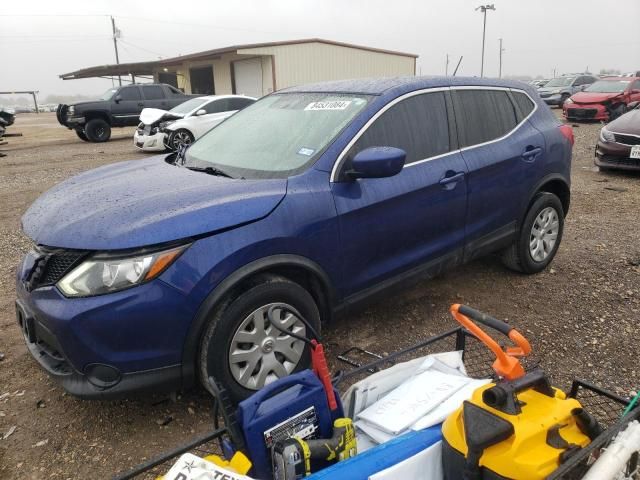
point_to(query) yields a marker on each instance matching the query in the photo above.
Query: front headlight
(606, 136)
(102, 274)
(568, 100)
(555, 92)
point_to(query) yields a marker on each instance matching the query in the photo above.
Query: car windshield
(559, 82)
(188, 106)
(608, 86)
(277, 136)
(108, 94)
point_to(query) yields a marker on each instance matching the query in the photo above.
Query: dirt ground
(581, 315)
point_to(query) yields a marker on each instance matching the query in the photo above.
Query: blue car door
(412, 222)
(503, 152)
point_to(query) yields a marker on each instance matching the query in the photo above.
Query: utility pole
(483, 9)
(500, 67)
(116, 34)
(446, 67)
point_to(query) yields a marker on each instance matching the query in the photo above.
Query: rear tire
(242, 350)
(81, 135)
(97, 130)
(539, 237)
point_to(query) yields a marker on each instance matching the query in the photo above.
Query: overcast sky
(40, 39)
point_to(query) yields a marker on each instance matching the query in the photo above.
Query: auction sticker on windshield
(329, 105)
(635, 151)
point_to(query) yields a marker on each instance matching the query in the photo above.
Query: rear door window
(154, 92)
(239, 103)
(130, 93)
(482, 115)
(418, 125)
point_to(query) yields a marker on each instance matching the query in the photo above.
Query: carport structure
(261, 68)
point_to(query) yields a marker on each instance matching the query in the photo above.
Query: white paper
(364, 442)
(426, 465)
(371, 389)
(375, 434)
(450, 405)
(191, 467)
(329, 105)
(413, 399)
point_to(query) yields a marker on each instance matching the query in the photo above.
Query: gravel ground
(580, 315)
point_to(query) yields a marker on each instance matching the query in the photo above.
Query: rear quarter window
(524, 105)
(483, 115)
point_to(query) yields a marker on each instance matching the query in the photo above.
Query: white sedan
(160, 130)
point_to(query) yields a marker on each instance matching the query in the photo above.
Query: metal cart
(605, 406)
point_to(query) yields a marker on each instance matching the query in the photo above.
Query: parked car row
(7, 117)
(117, 107)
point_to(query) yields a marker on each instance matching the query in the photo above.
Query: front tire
(539, 236)
(178, 138)
(240, 347)
(81, 135)
(97, 130)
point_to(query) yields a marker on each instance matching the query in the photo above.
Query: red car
(605, 99)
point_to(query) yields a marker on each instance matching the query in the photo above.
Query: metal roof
(379, 86)
(146, 68)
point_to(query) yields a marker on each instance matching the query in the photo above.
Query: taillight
(567, 132)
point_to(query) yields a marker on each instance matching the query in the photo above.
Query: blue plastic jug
(294, 404)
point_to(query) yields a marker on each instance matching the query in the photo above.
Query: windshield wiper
(211, 171)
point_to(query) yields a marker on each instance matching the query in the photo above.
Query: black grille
(582, 112)
(626, 139)
(52, 265)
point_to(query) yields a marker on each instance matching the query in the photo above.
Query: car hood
(593, 97)
(149, 116)
(627, 123)
(79, 106)
(145, 202)
(550, 89)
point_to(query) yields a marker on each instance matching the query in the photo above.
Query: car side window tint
(524, 105)
(217, 106)
(154, 92)
(418, 125)
(482, 115)
(130, 93)
(239, 103)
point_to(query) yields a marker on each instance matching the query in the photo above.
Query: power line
(141, 48)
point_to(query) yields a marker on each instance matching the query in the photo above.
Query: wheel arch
(296, 268)
(93, 114)
(555, 184)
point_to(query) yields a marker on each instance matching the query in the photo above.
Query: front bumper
(149, 142)
(106, 346)
(614, 155)
(585, 111)
(554, 99)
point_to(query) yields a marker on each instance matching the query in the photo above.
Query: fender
(536, 189)
(192, 340)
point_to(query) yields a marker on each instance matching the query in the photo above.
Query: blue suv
(152, 274)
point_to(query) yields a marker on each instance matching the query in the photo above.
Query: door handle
(451, 179)
(530, 153)
(140, 104)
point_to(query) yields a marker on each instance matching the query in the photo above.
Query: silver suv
(558, 89)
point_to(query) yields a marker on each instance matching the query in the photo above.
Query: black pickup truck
(117, 107)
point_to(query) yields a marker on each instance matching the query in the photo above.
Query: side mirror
(202, 111)
(377, 162)
(582, 87)
(118, 98)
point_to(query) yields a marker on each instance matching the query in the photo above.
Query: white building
(261, 68)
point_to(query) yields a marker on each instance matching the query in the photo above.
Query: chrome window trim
(338, 163)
